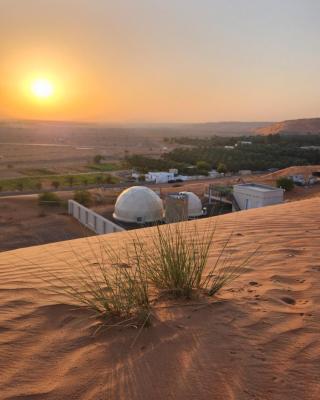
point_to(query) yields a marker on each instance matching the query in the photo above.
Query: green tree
(285, 183)
(49, 199)
(222, 168)
(203, 166)
(83, 197)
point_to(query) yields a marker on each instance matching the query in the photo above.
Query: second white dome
(194, 204)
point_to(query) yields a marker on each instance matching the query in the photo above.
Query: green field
(55, 181)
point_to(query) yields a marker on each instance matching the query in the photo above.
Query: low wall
(92, 220)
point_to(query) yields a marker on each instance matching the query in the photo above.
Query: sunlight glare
(42, 88)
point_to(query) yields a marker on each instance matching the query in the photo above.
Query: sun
(42, 88)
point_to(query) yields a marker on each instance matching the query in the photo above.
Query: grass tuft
(176, 259)
(182, 259)
(118, 295)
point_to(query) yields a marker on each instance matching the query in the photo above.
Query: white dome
(138, 204)
(194, 204)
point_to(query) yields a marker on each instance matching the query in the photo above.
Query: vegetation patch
(49, 199)
(123, 286)
(285, 183)
(177, 260)
(20, 184)
(56, 181)
(83, 197)
(264, 152)
(118, 296)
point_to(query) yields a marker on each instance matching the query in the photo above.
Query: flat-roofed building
(160, 177)
(245, 172)
(254, 195)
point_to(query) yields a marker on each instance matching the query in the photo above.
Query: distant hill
(51, 131)
(292, 127)
(224, 128)
(87, 133)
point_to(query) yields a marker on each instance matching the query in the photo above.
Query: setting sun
(42, 88)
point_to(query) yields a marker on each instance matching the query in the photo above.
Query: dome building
(194, 204)
(138, 205)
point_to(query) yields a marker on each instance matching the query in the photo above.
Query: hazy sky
(161, 60)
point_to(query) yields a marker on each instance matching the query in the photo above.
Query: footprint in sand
(288, 300)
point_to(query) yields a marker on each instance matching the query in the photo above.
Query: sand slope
(293, 126)
(305, 170)
(261, 341)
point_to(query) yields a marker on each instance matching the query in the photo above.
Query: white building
(298, 179)
(138, 205)
(194, 204)
(160, 177)
(136, 175)
(253, 195)
(245, 142)
(245, 172)
(302, 180)
(310, 147)
(182, 206)
(215, 174)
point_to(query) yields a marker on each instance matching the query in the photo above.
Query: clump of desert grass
(122, 283)
(176, 259)
(114, 286)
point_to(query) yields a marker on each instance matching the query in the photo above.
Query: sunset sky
(159, 60)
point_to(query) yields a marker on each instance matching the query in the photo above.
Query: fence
(92, 220)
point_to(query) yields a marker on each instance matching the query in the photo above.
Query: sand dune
(260, 341)
(302, 126)
(305, 170)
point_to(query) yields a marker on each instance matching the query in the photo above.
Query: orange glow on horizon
(121, 63)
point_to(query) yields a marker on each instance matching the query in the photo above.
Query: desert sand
(305, 170)
(260, 339)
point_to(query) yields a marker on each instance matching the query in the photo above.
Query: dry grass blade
(117, 295)
(117, 282)
(176, 257)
